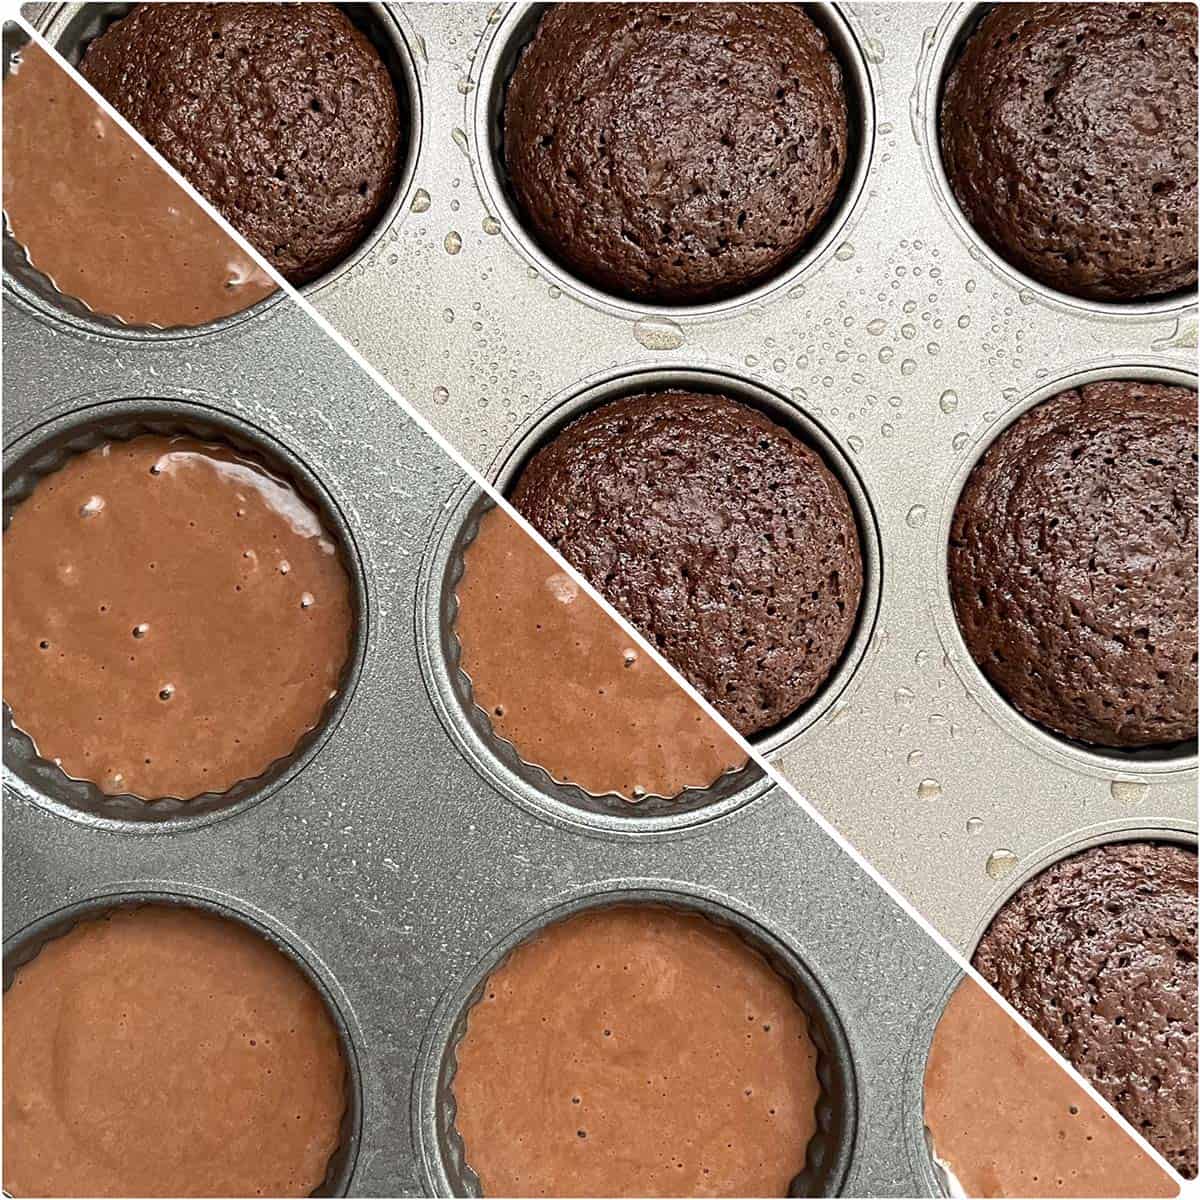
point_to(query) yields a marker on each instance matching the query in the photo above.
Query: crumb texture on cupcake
(1073, 563)
(176, 618)
(1068, 133)
(724, 538)
(283, 116)
(675, 153)
(636, 1051)
(166, 1051)
(1098, 953)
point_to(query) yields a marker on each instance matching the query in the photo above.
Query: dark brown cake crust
(719, 534)
(1098, 953)
(1068, 133)
(675, 153)
(283, 116)
(1073, 563)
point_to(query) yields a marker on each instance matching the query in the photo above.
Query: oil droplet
(465, 86)
(844, 253)
(948, 401)
(960, 441)
(491, 225)
(916, 516)
(91, 506)
(441, 395)
(1128, 791)
(877, 326)
(1026, 297)
(1000, 863)
(904, 695)
(459, 137)
(908, 367)
(974, 824)
(140, 631)
(916, 758)
(420, 201)
(928, 789)
(855, 443)
(166, 691)
(873, 50)
(307, 600)
(284, 566)
(658, 333)
(453, 242)
(448, 316)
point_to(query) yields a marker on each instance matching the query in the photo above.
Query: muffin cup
(513, 32)
(25, 945)
(497, 758)
(832, 1146)
(1150, 761)
(613, 385)
(943, 50)
(50, 447)
(71, 27)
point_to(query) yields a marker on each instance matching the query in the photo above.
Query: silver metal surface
(395, 864)
(402, 857)
(907, 341)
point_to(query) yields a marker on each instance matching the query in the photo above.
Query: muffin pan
(398, 853)
(392, 860)
(900, 343)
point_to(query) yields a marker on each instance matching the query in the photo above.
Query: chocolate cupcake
(724, 538)
(1098, 953)
(1068, 133)
(675, 153)
(1073, 564)
(283, 116)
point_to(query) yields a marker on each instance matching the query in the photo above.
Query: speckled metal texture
(902, 338)
(392, 864)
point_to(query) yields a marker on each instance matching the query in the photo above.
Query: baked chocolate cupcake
(1068, 133)
(1098, 953)
(724, 538)
(1073, 564)
(283, 116)
(675, 153)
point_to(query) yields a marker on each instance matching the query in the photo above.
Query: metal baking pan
(899, 344)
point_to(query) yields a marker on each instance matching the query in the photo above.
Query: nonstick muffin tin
(899, 343)
(396, 868)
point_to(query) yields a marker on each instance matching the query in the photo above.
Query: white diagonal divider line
(1190, 1190)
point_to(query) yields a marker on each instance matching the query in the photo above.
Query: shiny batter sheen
(561, 681)
(636, 1051)
(175, 617)
(164, 1051)
(1008, 1121)
(102, 220)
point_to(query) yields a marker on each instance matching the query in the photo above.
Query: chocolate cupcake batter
(675, 153)
(102, 220)
(175, 617)
(636, 1051)
(1008, 1121)
(723, 537)
(164, 1051)
(281, 115)
(1073, 563)
(1098, 953)
(1069, 137)
(562, 683)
